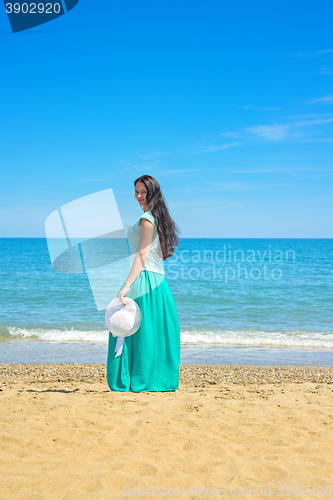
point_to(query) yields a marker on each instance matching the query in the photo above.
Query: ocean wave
(295, 338)
(57, 335)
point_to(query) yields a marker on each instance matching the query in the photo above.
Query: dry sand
(65, 435)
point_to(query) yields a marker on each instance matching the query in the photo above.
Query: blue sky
(229, 105)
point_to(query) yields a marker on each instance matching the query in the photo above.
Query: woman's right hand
(124, 291)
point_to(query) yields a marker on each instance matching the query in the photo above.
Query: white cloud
(297, 128)
(154, 165)
(324, 51)
(304, 54)
(313, 54)
(327, 98)
(271, 170)
(175, 171)
(151, 155)
(326, 71)
(241, 186)
(271, 132)
(215, 147)
(203, 204)
(256, 108)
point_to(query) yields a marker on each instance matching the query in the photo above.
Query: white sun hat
(122, 321)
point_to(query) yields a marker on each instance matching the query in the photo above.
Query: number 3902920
(33, 8)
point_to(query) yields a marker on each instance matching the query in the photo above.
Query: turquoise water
(249, 301)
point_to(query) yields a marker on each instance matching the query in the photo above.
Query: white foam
(296, 338)
(55, 335)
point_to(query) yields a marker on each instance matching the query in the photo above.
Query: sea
(240, 301)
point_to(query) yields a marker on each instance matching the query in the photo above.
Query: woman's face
(141, 193)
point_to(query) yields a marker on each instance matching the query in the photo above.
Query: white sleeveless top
(155, 261)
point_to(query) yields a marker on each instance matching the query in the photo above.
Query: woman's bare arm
(146, 230)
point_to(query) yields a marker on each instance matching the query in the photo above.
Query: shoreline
(188, 374)
(33, 351)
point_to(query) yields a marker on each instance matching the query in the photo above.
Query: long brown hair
(167, 229)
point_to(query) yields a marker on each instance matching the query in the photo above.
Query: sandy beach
(231, 431)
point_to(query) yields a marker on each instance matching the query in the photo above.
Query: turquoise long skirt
(151, 356)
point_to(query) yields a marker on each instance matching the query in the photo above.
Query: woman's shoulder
(148, 215)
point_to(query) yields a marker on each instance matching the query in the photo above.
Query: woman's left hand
(124, 291)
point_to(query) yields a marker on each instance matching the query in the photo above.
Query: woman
(150, 358)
